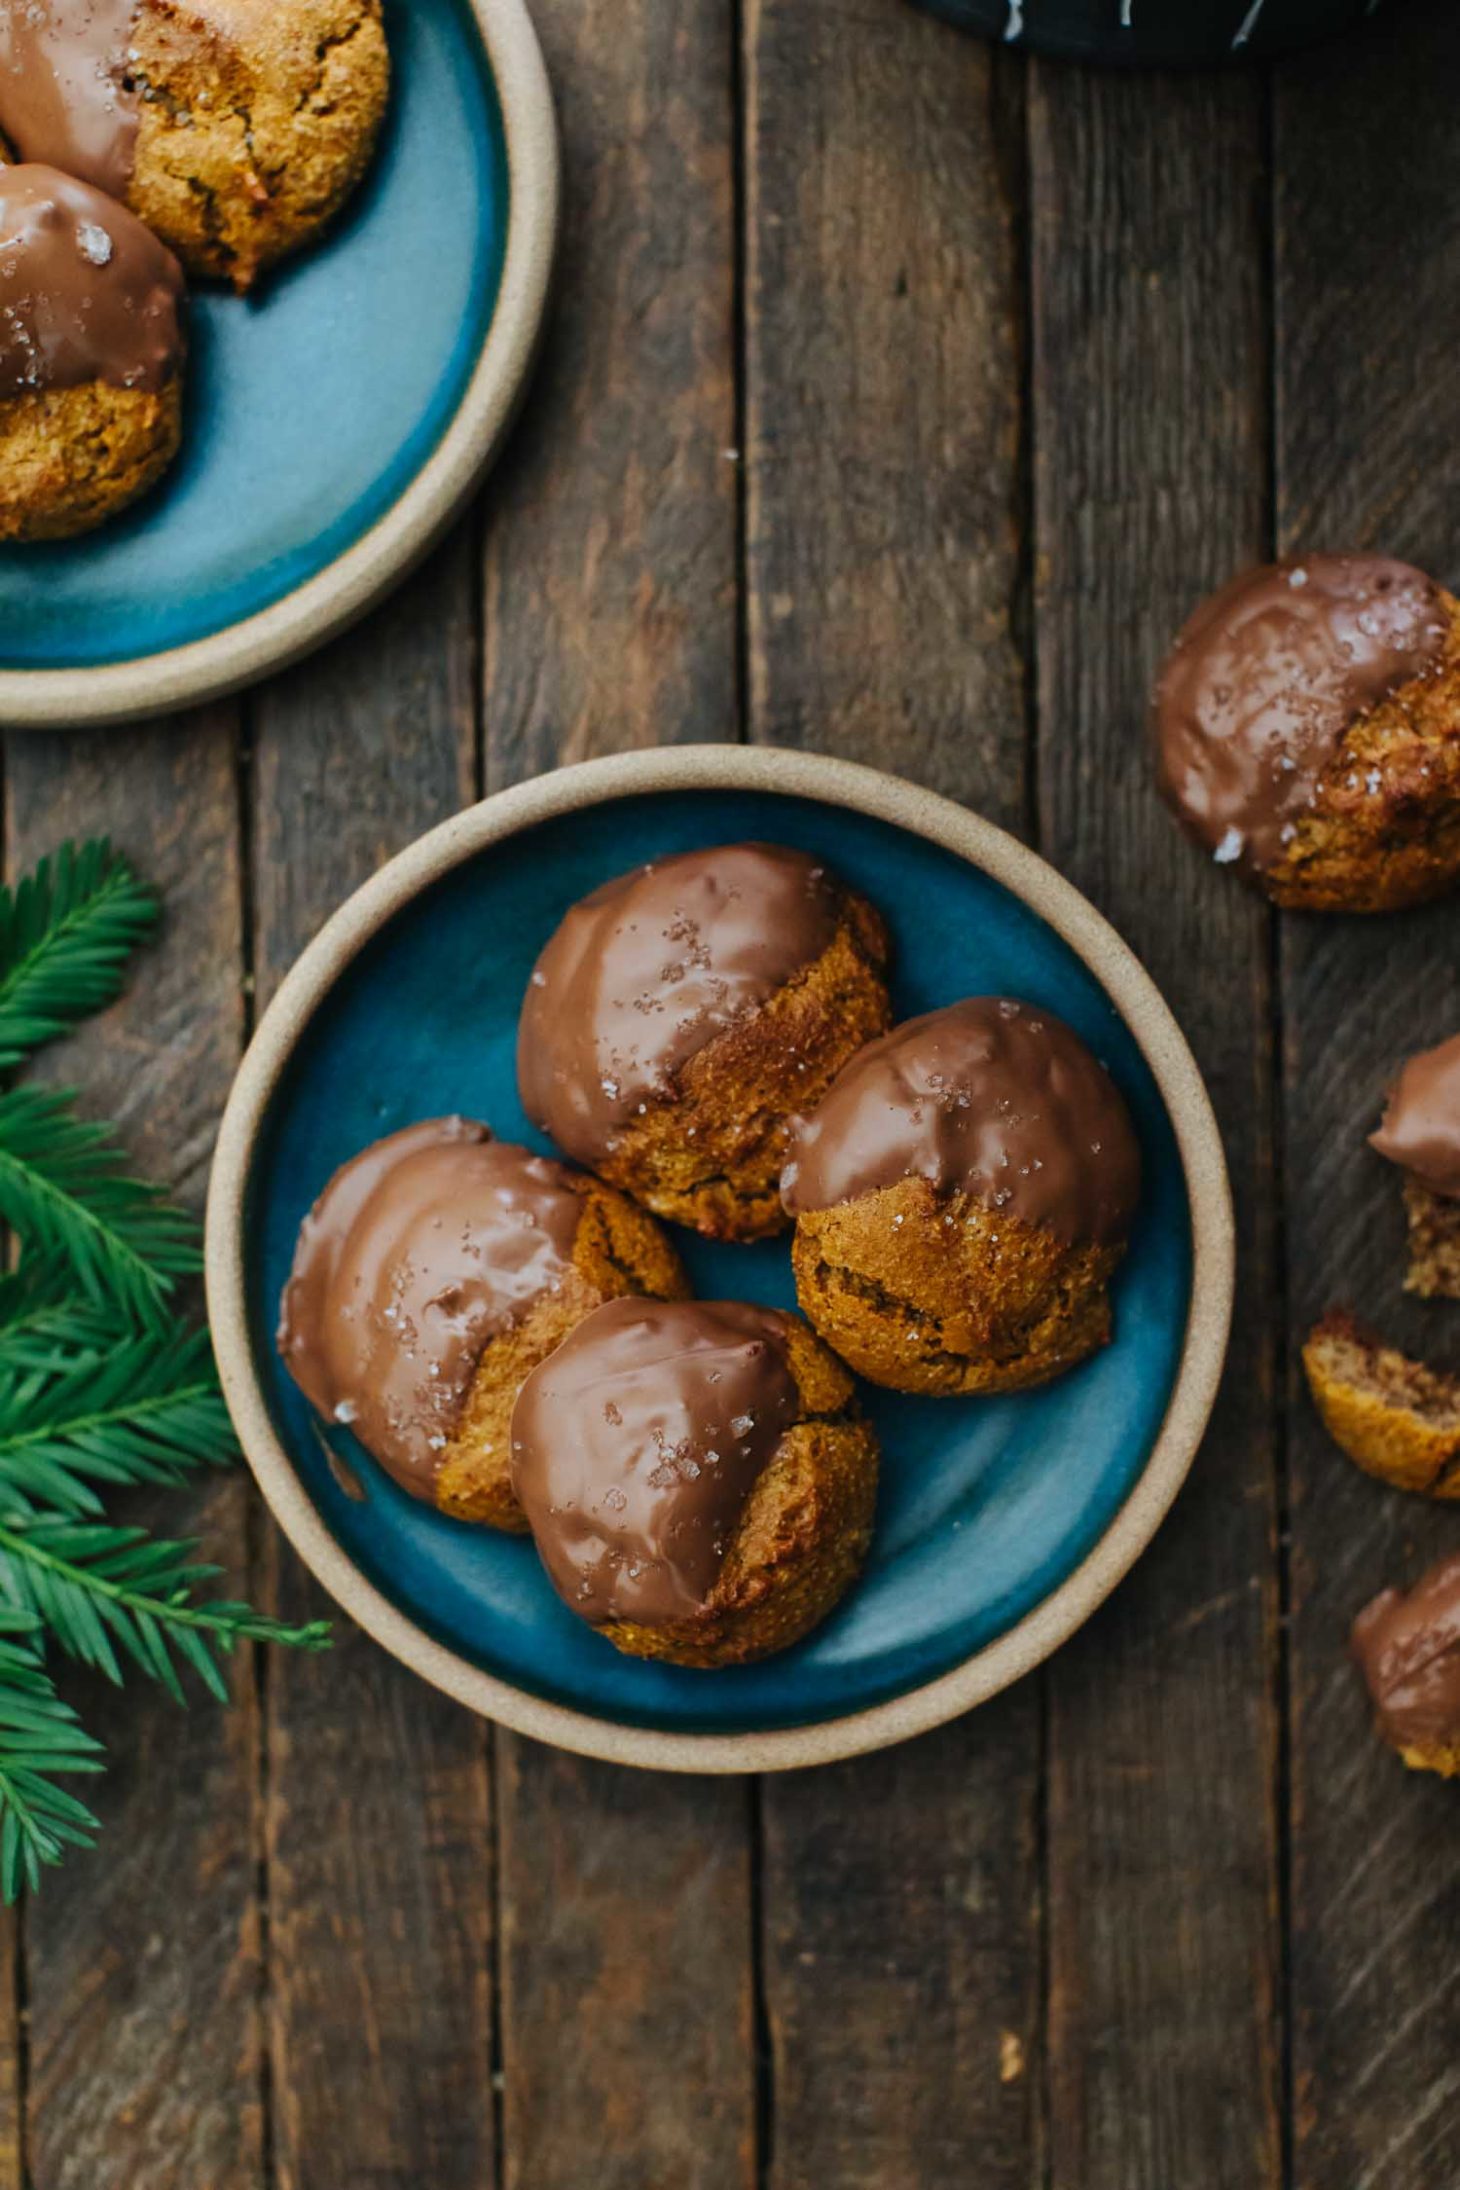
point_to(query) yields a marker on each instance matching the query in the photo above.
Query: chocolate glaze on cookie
(636, 1445)
(1254, 699)
(86, 292)
(417, 1253)
(990, 1098)
(1408, 1649)
(649, 969)
(1421, 1125)
(65, 93)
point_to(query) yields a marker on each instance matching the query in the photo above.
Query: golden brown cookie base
(1384, 831)
(711, 1157)
(1444, 1760)
(72, 457)
(1395, 1418)
(617, 1251)
(801, 1541)
(1434, 1243)
(942, 1295)
(259, 119)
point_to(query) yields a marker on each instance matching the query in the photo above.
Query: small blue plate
(986, 1507)
(313, 412)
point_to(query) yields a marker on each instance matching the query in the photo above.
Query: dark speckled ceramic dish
(1155, 33)
(1002, 1524)
(334, 426)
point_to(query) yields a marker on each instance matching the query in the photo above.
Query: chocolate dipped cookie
(697, 1477)
(683, 1014)
(92, 352)
(962, 1199)
(1307, 726)
(434, 1273)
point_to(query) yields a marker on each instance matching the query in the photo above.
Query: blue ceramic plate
(987, 1508)
(318, 417)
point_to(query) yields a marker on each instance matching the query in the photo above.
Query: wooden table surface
(900, 397)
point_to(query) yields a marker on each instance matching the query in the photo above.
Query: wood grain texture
(143, 1960)
(1007, 344)
(901, 1962)
(884, 192)
(1150, 470)
(610, 585)
(1368, 320)
(628, 2044)
(14, 2035)
(611, 560)
(883, 485)
(377, 1797)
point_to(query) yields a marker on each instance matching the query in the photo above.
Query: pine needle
(40, 1739)
(63, 1188)
(66, 935)
(42, 1324)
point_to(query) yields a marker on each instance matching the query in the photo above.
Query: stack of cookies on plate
(709, 1042)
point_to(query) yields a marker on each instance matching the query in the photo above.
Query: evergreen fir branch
(101, 1590)
(99, 1387)
(40, 1739)
(63, 1189)
(145, 1409)
(66, 934)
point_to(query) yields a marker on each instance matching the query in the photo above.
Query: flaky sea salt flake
(95, 243)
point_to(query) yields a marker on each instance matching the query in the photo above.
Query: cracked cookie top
(645, 972)
(989, 1097)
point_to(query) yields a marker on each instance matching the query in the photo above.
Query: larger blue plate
(986, 1507)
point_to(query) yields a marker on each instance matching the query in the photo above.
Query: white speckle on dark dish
(1248, 25)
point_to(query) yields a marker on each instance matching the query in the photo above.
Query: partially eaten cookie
(1394, 1417)
(1407, 1646)
(1421, 1134)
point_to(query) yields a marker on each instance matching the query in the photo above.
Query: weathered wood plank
(884, 194)
(884, 190)
(1150, 364)
(610, 623)
(611, 554)
(901, 1962)
(1368, 286)
(145, 2054)
(627, 2020)
(14, 2035)
(377, 1797)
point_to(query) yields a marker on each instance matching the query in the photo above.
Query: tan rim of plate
(834, 783)
(55, 699)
